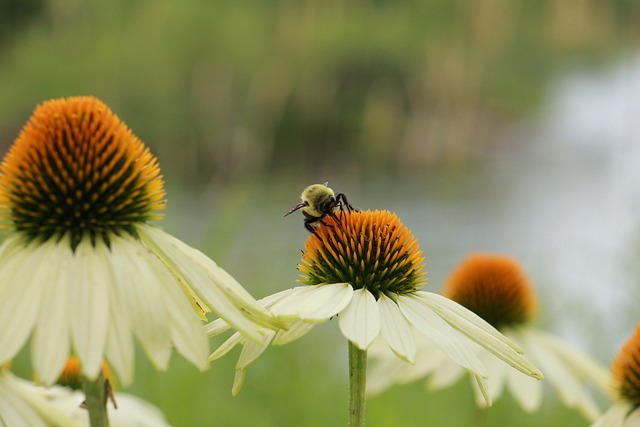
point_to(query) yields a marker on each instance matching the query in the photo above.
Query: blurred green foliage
(223, 90)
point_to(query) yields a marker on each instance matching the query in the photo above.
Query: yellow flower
(625, 375)
(496, 288)
(366, 268)
(82, 268)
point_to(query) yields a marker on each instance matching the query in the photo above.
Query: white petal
(568, 386)
(315, 303)
(34, 407)
(296, 330)
(582, 365)
(383, 373)
(120, 347)
(360, 320)
(187, 333)
(445, 375)
(21, 294)
(525, 390)
(395, 329)
(614, 417)
(326, 301)
(216, 327)
(203, 280)
(89, 284)
(496, 373)
(480, 384)
(455, 313)
(51, 338)
(139, 298)
(227, 346)
(480, 331)
(441, 333)
(633, 419)
(251, 351)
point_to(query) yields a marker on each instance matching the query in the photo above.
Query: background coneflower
(625, 376)
(366, 268)
(496, 288)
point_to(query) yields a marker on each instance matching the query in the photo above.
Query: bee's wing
(296, 207)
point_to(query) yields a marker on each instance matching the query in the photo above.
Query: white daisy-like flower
(81, 268)
(625, 376)
(496, 288)
(124, 410)
(366, 268)
(21, 407)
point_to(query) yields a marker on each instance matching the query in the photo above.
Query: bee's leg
(310, 220)
(342, 199)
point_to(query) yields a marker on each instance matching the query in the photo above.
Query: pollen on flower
(626, 370)
(366, 249)
(494, 287)
(75, 170)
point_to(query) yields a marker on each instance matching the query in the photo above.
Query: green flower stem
(95, 401)
(357, 385)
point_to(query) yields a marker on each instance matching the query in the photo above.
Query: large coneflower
(366, 268)
(82, 270)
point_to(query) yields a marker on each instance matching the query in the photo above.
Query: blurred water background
(503, 126)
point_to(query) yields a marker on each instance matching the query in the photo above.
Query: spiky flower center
(626, 370)
(371, 250)
(494, 287)
(75, 170)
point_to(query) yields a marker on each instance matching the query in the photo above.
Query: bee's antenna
(296, 207)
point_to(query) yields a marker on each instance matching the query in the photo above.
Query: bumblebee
(318, 201)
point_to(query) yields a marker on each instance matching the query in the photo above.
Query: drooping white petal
(496, 374)
(186, 331)
(633, 419)
(480, 331)
(441, 333)
(454, 313)
(252, 350)
(209, 284)
(89, 297)
(119, 350)
(21, 294)
(444, 375)
(325, 301)
(584, 367)
(483, 389)
(615, 416)
(136, 278)
(525, 390)
(567, 385)
(227, 346)
(315, 303)
(395, 329)
(216, 327)
(360, 320)
(296, 330)
(384, 372)
(51, 340)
